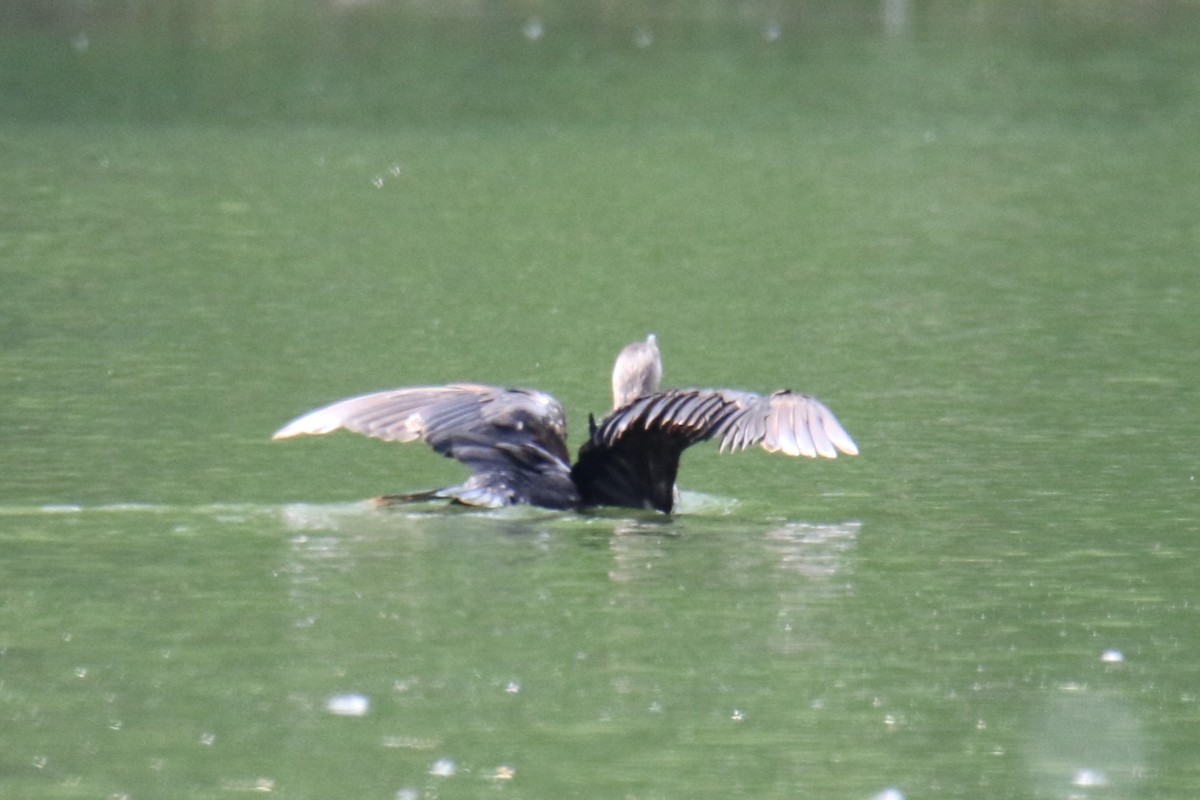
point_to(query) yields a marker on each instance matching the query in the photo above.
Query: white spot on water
(532, 29)
(260, 784)
(1112, 657)
(737, 715)
(64, 508)
(348, 705)
(896, 15)
(1081, 733)
(889, 793)
(771, 32)
(512, 687)
(643, 38)
(207, 739)
(443, 768)
(1089, 777)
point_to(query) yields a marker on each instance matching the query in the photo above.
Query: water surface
(982, 258)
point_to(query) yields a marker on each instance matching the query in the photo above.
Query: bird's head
(637, 372)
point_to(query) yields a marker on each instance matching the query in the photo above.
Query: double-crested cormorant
(515, 440)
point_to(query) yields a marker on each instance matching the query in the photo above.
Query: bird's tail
(482, 496)
(389, 500)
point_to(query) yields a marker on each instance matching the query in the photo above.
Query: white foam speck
(1089, 777)
(533, 29)
(348, 705)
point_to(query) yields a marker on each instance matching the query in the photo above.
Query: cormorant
(515, 440)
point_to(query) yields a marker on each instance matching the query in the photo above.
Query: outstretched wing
(513, 440)
(632, 458)
(788, 423)
(784, 421)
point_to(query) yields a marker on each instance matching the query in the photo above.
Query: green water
(979, 251)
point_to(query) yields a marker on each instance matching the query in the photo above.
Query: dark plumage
(515, 440)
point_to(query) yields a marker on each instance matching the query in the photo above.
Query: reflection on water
(566, 621)
(818, 552)
(819, 557)
(1086, 742)
(455, 651)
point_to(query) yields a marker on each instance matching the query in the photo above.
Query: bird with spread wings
(514, 441)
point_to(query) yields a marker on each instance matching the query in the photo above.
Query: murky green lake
(979, 250)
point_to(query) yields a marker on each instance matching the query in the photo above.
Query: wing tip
(839, 438)
(313, 423)
(847, 446)
(800, 425)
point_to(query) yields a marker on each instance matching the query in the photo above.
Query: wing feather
(513, 440)
(796, 417)
(816, 432)
(787, 422)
